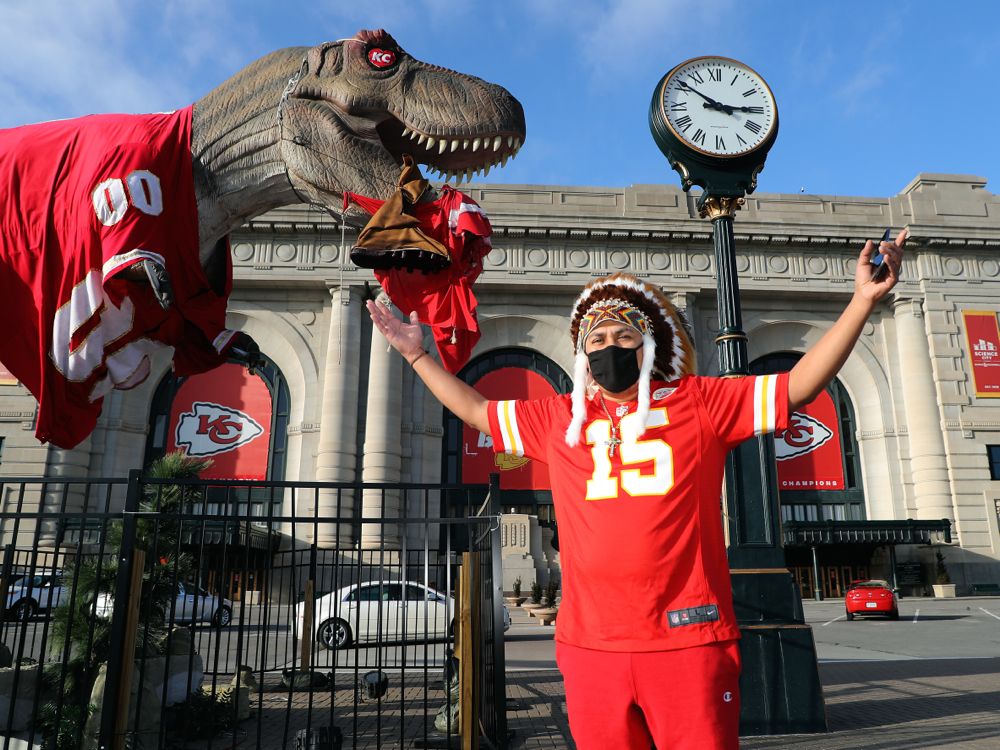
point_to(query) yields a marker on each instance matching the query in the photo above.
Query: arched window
(535, 502)
(163, 398)
(843, 504)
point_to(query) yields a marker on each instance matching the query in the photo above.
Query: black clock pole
(779, 685)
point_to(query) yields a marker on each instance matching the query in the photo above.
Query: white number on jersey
(603, 486)
(144, 193)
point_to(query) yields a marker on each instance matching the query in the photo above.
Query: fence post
(499, 656)
(8, 564)
(119, 619)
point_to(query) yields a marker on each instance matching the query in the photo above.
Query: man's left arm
(824, 359)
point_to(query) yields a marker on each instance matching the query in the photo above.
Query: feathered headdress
(667, 351)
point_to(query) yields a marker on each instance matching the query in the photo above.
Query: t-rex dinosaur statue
(113, 227)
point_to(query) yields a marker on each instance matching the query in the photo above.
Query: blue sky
(869, 94)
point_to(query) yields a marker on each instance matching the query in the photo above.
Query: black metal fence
(166, 613)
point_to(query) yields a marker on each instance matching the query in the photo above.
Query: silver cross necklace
(615, 439)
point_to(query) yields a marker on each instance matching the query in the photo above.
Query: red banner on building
(225, 415)
(6, 376)
(984, 351)
(809, 452)
(478, 458)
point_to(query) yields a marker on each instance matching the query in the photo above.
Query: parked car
(871, 598)
(381, 610)
(192, 604)
(28, 595)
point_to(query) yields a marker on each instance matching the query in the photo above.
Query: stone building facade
(356, 412)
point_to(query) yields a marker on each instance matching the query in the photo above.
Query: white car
(192, 604)
(381, 611)
(27, 595)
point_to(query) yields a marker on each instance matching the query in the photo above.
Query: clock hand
(711, 102)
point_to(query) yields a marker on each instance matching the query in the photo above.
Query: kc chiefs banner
(984, 351)
(225, 415)
(809, 452)
(478, 458)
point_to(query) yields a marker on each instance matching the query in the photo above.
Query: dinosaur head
(357, 105)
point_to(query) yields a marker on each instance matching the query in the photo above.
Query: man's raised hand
(405, 338)
(866, 284)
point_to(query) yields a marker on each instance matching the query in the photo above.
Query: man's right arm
(464, 401)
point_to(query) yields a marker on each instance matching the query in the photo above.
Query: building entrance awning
(820, 533)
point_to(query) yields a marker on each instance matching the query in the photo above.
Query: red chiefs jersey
(443, 299)
(641, 541)
(82, 200)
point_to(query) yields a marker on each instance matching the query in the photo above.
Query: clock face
(718, 106)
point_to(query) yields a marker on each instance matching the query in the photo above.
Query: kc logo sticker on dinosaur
(381, 58)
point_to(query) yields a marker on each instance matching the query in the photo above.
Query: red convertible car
(871, 598)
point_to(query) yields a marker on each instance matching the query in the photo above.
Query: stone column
(929, 469)
(336, 456)
(382, 459)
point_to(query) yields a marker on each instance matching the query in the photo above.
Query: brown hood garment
(427, 250)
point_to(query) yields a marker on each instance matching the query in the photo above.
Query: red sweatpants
(686, 699)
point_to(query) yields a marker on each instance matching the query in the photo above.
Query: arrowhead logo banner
(224, 414)
(211, 429)
(809, 452)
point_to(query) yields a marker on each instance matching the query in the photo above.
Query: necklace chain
(615, 440)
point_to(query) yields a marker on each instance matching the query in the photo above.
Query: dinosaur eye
(381, 58)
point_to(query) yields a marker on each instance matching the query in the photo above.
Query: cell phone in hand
(878, 259)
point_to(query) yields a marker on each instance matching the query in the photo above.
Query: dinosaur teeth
(406, 131)
(510, 141)
(465, 143)
(442, 145)
(517, 144)
(454, 146)
(503, 162)
(496, 143)
(430, 142)
(476, 144)
(421, 139)
(486, 171)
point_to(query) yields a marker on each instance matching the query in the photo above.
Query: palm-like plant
(80, 636)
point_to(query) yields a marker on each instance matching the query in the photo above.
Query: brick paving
(885, 705)
(889, 705)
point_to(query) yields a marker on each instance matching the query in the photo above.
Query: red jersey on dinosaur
(82, 201)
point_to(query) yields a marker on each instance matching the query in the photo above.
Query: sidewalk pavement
(886, 705)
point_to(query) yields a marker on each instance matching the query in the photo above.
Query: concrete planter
(528, 606)
(944, 590)
(514, 601)
(545, 615)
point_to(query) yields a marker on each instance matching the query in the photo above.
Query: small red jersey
(641, 542)
(443, 299)
(82, 200)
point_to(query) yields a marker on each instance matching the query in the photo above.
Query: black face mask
(615, 368)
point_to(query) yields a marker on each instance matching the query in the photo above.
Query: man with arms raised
(636, 455)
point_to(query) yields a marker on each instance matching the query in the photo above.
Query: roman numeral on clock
(740, 139)
(719, 143)
(695, 76)
(755, 110)
(683, 123)
(752, 127)
(749, 92)
(715, 74)
(678, 106)
(698, 137)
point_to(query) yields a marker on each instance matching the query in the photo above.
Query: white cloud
(62, 59)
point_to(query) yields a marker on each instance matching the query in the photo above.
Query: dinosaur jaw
(456, 155)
